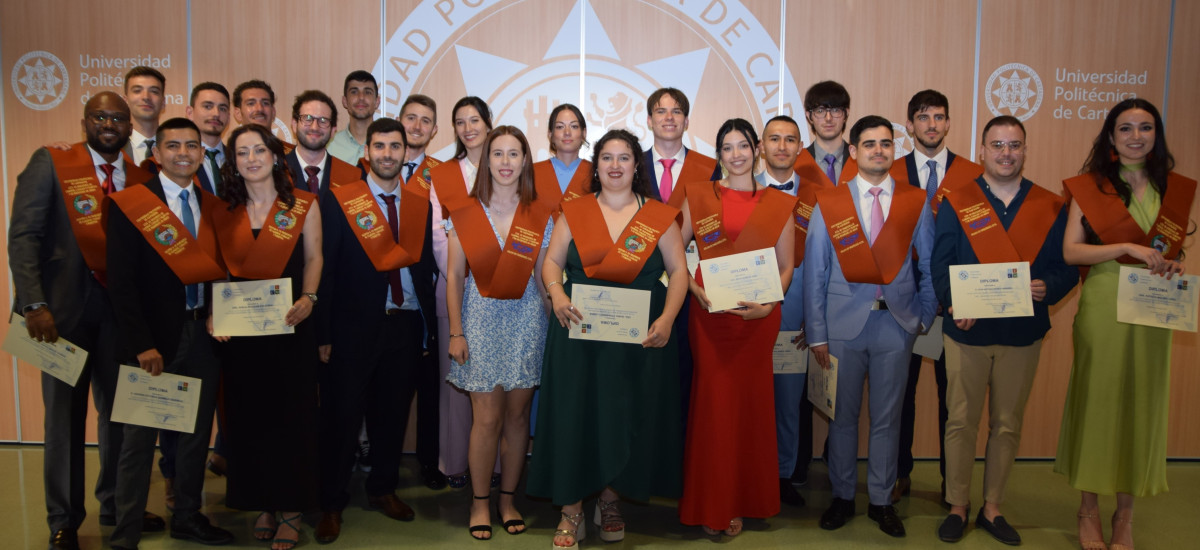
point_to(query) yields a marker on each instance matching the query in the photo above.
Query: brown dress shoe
(392, 507)
(901, 489)
(329, 527)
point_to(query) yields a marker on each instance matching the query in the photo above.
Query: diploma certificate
(611, 314)
(930, 344)
(988, 291)
(252, 308)
(166, 401)
(62, 359)
(822, 386)
(785, 357)
(746, 277)
(1152, 300)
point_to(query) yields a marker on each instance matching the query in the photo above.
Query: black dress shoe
(151, 523)
(788, 494)
(839, 512)
(952, 528)
(64, 539)
(887, 519)
(999, 528)
(433, 478)
(198, 529)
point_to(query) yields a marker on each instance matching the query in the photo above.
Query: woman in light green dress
(1114, 429)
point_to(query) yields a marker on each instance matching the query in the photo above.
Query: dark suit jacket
(46, 263)
(353, 291)
(148, 298)
(299, 177)
(648, 164)
(910, 163)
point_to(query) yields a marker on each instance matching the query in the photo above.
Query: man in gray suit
(57, 262)
(864, 305)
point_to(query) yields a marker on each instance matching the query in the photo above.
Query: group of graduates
(453, 282)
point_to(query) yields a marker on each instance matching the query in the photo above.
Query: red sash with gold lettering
(421, 176)
(193, 260)
(761, 231)
(960, 172)
(620, 261)
(85, 201)
(696, 168)
(989, 240)
(575, 188)
(861, 262)
(1110, 219)
(266, 256)
(449, 184)
(502, 272)
(342, 172)
(369, 224)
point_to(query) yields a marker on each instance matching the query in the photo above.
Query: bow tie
(785, 187)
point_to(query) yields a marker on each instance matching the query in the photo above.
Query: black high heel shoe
(481, 529)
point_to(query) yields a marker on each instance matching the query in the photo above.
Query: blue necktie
(931, 183)
(829, 172)
(189, 221)
(784, 187)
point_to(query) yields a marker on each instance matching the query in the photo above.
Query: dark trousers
(376, 381)
(168, 441)
(66, 420)
(908, 415)
(428, 411)
(195, 358)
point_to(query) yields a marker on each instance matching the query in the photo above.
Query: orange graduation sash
(420, 176)
(266, 256)
(761, 231)
(812, 179)
(861, 262)
(448, 182)
(544, 171)
(193, 260)
(696, 167)
(85, 201)
(342, 172)
(989, 240)
(369, 224)
(1110, 219)
(620, 261)
(961, 171)
(503, 272)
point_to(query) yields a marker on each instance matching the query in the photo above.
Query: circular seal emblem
(166, 235)
(1160, 244)
(902, 141)
(1011, 89)
(85, 204)
(365, 220)
(1133, 278)
(284, 220)
(227, 293)
(133, 377)
(634, 244)
(633, 332)
(962, 275)
(281, 131)
(39, 80)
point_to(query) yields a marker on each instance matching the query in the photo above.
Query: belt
(879, 305)
(196, 314)
(398, 311)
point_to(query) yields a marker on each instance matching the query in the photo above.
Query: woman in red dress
(730, 458)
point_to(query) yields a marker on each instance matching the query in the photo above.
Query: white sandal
(607, 513)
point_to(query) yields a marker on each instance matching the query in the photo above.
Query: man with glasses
(360, 97)
(929, 166)
(314, 117)
(826, 107)
(57, 259)
(994, 360)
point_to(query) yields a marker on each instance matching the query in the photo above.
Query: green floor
(1040, 505)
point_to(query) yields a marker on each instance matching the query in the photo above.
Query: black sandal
(512, 522)
(481, 529)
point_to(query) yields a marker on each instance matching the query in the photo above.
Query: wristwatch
(312, 296)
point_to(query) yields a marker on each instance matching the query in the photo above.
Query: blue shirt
(951, 247)
(564, 172)
(410, 297)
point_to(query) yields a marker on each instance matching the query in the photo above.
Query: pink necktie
(667, 181)
(876, 226)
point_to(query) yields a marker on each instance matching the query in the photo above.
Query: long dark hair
(526, 191)
(578, 116)
(1103, 162)
(641, 180)
(235, 185)
(481, 107)
(736, 125)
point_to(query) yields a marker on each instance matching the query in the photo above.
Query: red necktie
(667, 180)
(394, 275)
(107, 185)
(313, 182)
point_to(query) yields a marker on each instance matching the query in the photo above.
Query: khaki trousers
(1003, 375)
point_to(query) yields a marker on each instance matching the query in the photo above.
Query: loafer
(198, 529)
(433, 478)
(902, 488)
(64, 539)
(999, 529)
(789, 494)
(839, 512)
(952, 528)
(887, 519)
(329, 527)
(392, 507)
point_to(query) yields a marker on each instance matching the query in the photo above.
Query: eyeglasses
(101, 118)
(308, 120)
(999, 146)
(835, 112)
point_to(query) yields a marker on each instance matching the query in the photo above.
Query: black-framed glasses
(102, 118)
(308, 120)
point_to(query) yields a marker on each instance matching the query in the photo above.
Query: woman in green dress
(608, 419)
(1114, 429)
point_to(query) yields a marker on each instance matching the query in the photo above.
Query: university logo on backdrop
(39, 80)
(425, 52)
(1014, 89)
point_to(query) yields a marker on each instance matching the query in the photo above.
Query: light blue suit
(872, 345)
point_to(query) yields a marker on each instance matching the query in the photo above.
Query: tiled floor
(1040, 505)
